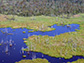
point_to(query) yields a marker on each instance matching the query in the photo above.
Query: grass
(38, 60)
(78, 61)
(64, 45)
(40, 23)
(24, 32)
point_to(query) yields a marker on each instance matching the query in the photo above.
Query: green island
(64, 45)
(38, 60)
(78, 61)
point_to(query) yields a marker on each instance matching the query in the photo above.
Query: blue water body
(14, 54)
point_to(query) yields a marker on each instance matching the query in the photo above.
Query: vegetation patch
(38, 60)
(3, 17)
(78, 61)
(41, 23)
(64, 45)
(24, 32)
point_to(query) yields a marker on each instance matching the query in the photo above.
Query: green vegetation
(78, 61)
(24, 32)
(25, 41)
(40, 23)
(38, 60)
(64, 45)
(24, 56)
(24, 38)
(62, 12)
(0, 44)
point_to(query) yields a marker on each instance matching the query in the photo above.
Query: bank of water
(17, 36)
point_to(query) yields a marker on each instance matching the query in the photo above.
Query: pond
(17, 35)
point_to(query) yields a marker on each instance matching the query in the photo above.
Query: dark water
(14, 51)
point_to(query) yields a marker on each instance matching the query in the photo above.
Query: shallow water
(14, 51)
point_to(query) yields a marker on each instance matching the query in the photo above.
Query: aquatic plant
(22, 50)
(38, 60)
(2, 41)
(6, 50)
(24, 32)
(6, 31)
(24, 38)
(33, 56)
(25, 41)
(68, 26)
(24, 56)
(28, 35)
(78, 61)
(10, 42)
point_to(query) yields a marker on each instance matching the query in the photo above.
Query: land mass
(38, 60)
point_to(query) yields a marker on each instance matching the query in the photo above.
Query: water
(14, 51)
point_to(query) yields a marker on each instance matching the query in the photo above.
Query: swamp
(41, 31)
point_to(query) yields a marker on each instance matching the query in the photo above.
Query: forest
(41, 7)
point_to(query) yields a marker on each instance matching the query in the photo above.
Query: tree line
(41, 7)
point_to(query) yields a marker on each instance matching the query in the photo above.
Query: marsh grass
(38, 60)
(24, 32)
(78, 61)
(64, 45)
(40, 22)
(53, 45)
(26, 22)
